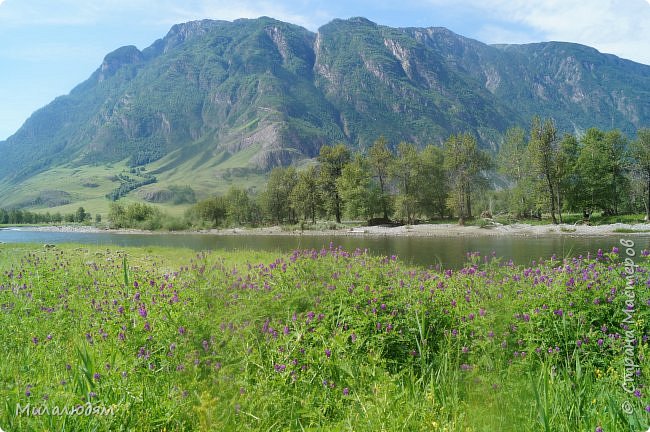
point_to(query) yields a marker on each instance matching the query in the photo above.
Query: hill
(215, 102)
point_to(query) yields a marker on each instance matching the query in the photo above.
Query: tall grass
(315, 340)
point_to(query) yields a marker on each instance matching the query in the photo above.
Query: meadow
(97, 338)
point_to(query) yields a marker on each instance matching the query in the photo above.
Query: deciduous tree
(465, 164)
(332, 160)
(543, 149)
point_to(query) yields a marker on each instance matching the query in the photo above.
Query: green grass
(317, 340)
(205, 182)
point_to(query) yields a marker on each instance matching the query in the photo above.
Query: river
(450, 252)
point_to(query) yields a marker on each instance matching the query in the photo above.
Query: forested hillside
(216, 100)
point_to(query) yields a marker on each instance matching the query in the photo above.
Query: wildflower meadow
(107, 339)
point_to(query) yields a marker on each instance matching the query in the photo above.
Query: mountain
(213, 99)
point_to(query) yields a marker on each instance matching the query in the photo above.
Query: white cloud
(82, 12)
(226, 10)
(610, 26)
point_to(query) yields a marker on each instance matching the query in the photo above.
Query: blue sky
(49, 46)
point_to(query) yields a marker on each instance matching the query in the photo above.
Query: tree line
(18, 217)
(535, 172)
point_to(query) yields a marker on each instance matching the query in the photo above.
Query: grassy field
(87, 185)
(162, 339)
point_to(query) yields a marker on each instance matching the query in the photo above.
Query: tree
(513, 162)
(405, 170)
(304, 197)
(275, 199)
(380, 160)
(464, 164)
(212, 209)
(332, 160)
(139, 212)
(433, 190)
(640, 150)
(543, 151)
(80, 215)
(361, 196)
(238, 206)
(568, 177)
(601, 168)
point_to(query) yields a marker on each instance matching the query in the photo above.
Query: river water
(450, 252)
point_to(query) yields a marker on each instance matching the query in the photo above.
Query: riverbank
(423, 230)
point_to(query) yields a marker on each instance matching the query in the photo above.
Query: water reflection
(448, 251)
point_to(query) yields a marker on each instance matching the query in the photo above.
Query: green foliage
(568, 187)
(380, 160)
(361, 197)
(332, 160)
(543, 149)
(515, 164)
(465, 165)
(432, 186)
(127, 184)
(405, 171)
(276, 197)
(135, 215)
(601, 169)
(19, 217)
(81, 215)
(316, 340)
(212, 209)
(640, 153)
(240, 209)
(305, 198)
(221, 102)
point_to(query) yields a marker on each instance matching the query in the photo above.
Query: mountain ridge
(251, 94)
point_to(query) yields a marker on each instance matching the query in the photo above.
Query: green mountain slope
(217, 99)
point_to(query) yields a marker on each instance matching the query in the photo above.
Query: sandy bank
(424, 230)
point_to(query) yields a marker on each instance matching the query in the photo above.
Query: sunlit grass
(315, 340)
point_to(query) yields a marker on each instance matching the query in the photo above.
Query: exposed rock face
(128, 55)
(274, 93)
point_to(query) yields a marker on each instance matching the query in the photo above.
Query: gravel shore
(423, 230)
